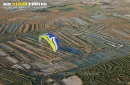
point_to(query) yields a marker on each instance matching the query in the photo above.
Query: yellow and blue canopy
(51, 39)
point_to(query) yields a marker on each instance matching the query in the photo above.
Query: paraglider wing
(51, 39)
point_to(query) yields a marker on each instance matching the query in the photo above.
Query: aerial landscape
(65, 42)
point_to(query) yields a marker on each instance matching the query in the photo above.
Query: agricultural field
(92, 8)
(110, 73)
(9, 77)
(94, 45)
(62, 8)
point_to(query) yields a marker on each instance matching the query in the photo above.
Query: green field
(66, 9)
(62, 8)
(41, 10)
(92, 8)
(69, 8)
